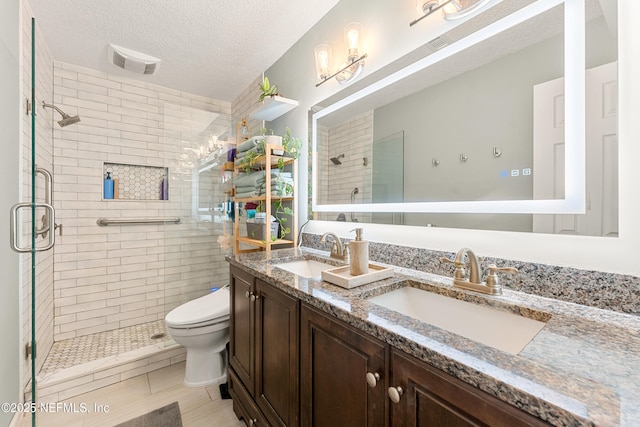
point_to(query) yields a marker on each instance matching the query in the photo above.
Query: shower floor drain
(158, 336)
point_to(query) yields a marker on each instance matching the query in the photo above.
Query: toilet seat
(207, 310)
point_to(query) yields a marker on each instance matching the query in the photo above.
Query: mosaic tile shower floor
(75, 351)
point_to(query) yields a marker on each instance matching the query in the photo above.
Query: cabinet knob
(251, 296)
(253, 422)
(247, 294)
(395, 393)
(372, 379)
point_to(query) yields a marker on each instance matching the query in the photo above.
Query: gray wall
(9, 173)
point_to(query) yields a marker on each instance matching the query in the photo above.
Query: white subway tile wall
(118, 276)
(354, 139)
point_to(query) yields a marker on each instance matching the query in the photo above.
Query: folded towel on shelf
(257, 150)
(279, 180)
(249, 144)
(283, 192)
(257, 178)
(248, 188)
(253, 179)
(249, 194)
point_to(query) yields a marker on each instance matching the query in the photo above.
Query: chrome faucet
(492, 285)
(337, 250)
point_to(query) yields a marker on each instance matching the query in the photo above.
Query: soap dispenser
(108, 187)
(359, 250)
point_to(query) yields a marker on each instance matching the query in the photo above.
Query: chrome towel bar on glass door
(137, 221)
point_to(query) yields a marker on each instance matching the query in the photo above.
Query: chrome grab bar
(137, 221)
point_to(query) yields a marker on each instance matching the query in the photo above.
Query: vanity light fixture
(452, 9)
(350, 69)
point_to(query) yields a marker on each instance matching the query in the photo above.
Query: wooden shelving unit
(267, 162)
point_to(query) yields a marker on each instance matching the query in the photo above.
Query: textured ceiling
(214, 48)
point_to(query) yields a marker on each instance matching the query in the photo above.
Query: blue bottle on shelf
(164, 188)
(108, 187)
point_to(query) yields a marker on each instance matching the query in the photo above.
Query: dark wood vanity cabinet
(264, 349)
(429, 397)
(292, 364)
(335, 361)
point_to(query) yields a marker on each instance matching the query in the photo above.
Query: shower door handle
(48, 199)
(48, 184)
(50, 216)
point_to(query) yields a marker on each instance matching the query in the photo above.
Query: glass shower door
(33, 227)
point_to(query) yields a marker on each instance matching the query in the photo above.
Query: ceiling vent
(133, 61)
(438, 43)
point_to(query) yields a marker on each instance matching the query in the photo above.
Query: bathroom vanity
(306, 352)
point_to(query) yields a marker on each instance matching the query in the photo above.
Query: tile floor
(139, 395)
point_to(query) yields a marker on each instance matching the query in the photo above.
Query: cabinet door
(430, 397)
(334, 362)
(241, 331)
(277, 326)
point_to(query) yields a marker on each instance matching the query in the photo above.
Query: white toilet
(202, 326)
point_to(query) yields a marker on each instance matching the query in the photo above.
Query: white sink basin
(499, 329)
(306, 268)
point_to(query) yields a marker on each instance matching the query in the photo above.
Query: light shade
(324, 60)
(353, 34)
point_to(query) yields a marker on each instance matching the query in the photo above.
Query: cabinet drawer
(243, 404)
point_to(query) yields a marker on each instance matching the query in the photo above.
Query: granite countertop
(582, 369)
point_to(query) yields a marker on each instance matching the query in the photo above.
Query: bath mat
(167, 416)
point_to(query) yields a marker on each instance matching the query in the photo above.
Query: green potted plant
(267, 89)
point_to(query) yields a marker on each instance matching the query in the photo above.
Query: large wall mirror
(511, 127)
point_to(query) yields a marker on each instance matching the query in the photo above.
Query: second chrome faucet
(338, 251)
(491, 286)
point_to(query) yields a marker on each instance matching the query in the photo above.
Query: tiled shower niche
(136, 182)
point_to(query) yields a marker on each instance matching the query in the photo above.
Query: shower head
(336, 160)
(66, 119)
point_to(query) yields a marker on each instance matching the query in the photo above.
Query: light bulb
(352, 36)
(352, 33)
(323, 60)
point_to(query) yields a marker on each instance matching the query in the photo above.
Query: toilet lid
(208, 307)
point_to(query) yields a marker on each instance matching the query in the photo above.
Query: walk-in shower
(105, 287)
(66, 119)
